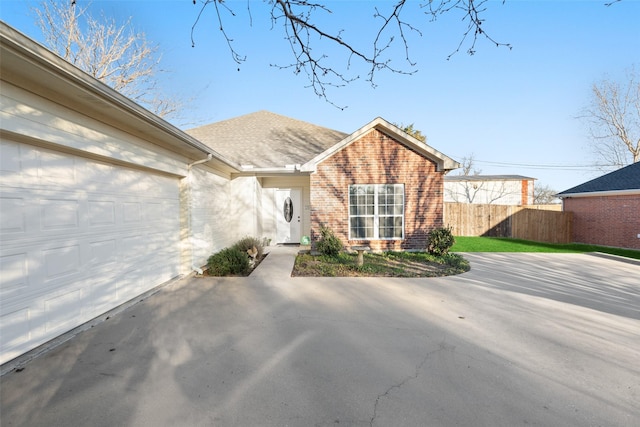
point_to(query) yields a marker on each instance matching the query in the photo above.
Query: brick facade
(606, 220)
(376, 158)
(525, 192)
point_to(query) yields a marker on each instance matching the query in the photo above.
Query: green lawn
(497, 244)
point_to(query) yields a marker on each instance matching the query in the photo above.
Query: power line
(545, 166)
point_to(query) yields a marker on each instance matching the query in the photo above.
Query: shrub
(440, 240)
(456, 261)
(228, 261)
(328, 244)
(247, 243)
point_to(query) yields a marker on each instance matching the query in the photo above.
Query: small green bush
(440, 240)
(247, 243)
(328, 244)
(456, 261)
(228, 261)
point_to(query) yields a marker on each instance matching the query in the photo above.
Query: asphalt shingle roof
(267, 140)
(627, 178)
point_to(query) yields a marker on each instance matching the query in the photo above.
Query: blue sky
(515, 110)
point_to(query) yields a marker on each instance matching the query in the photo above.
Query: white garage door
(78, 237)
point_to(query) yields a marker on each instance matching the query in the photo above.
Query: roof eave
(20, 53)
(287, 171)
(629, 192)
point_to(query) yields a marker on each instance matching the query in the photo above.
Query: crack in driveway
(442, 347)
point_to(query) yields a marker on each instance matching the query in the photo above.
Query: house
(489, 189)
(377, 186)
(606, 210)
(102, 201)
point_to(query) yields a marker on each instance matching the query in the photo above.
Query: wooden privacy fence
(519, 222)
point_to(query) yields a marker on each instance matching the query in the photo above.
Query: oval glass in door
(287, 209)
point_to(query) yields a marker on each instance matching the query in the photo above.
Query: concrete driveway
(522, 339)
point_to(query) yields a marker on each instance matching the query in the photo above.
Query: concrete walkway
(522, 339)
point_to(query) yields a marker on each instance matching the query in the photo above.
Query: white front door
(288, 215)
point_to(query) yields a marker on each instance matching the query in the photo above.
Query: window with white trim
(376, 211)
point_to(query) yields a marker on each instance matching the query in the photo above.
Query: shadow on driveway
(505, 344)
(582, 279)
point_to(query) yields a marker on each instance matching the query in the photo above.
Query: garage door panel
(56, 264)
(60, 213)
(19, 163)
(13, 213)
(14, 275)
(103, 254)
(16, 332)
(78, 238)
(101, 212)
(131, 283)
(37, 213)
(133, 248)
(60, 262)
(28, 275)
(9, 158)
(101, 293)
(97, 176)
(154, 213)
(57, 169)
(131, 213)
(158, 270)
(63, 311)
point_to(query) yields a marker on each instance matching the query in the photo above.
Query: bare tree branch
(469, 189)
(471, 14)
(112, 53)
(613, 119)
(237, 58)
(297, 19)
(544, 195)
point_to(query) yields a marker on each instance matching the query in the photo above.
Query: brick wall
(525, 193)
(607, 221)
(376, 158)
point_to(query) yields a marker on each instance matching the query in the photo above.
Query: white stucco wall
(506, 192)
(245, 215)
(222, 212)
(268, 214)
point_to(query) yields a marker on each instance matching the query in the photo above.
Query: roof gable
(625, 179)
(444, 163)
(267, 140)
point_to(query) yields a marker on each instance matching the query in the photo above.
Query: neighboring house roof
(29, 65)
(444, 163)
(267, 140)
(621, 181)
(488, 178)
